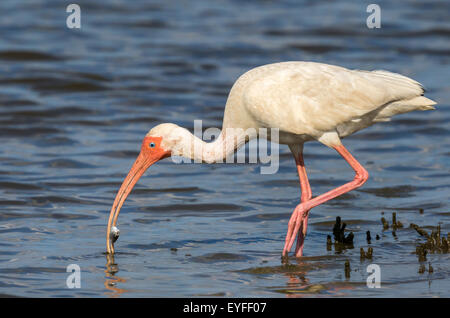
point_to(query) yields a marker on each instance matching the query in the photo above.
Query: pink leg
(301, 236)
(306, 195)
(360, 178)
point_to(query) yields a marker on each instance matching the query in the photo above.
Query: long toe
(290, 231)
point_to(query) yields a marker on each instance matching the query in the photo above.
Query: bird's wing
(311, 98)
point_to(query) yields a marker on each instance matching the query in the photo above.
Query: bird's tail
(407, 94)
(419, 103)
(405, 106)
(407, 86)
(399, 83)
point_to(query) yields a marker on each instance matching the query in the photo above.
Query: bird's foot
(298, 224)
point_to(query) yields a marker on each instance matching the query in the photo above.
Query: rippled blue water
(75, 105)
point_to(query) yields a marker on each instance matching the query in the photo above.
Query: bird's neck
(217, 151)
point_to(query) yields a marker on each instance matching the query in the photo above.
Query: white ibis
(306, 101)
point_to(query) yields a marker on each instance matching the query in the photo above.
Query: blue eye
(152, 145)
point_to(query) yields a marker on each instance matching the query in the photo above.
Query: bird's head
(159, 143)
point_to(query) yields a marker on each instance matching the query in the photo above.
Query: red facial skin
(148, 156)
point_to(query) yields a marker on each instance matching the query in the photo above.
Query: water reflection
(111, 281)
(298, 283)
(297, 280)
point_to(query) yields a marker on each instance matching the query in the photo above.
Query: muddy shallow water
(75, 105)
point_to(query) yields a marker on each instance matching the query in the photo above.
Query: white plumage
(305, 101)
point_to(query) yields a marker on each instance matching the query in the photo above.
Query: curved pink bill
(141, 164)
